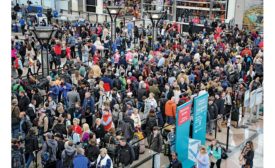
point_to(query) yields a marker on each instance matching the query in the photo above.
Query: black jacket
(24, 103)
(140, 93)
(220, 105)
(249, 157)
(175, 164)
(99, 131)
(125, 154)
(60, 128)
(31, 144)
(38, 98)
(92, 152)
(213, 111)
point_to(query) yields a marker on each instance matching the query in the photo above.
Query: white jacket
(103, 161)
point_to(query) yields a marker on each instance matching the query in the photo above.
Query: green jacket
(217, 152)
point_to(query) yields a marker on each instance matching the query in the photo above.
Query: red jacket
(77, 129)
(57, 49)
(105, 119)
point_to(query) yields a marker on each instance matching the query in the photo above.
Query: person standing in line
(155, 144)
(124, 153)
(214, 152)
(175, 163)
(104, 160)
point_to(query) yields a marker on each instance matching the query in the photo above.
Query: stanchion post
(153, 162)
(227, 134)
(216, 128)
(36, 165)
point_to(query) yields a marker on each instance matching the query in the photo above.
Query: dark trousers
(73, 54)
(23, 30)
(50, 165)
(218, 164)
(227, 110)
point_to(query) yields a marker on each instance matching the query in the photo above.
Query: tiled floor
(237, 138)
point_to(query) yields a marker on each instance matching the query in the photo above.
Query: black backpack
(26, 125)
(17, 159)
(60, 148)
(68, 161)
(50, 118)
(30, 112)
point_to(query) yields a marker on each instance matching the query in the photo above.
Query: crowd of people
(103, 98)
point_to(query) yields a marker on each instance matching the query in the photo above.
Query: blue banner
(199, 118)
(182, 133)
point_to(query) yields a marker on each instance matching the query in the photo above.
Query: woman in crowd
(247, 155)
(214, 151)
(203, 158)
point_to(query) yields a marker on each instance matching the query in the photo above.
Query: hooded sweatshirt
(53, 145)
(68, 151)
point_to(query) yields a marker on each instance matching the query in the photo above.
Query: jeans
(85, 59)
(140, 105)
(157, 161)
(170, 120)
(29, 158)
(15, 131)
(210, 126)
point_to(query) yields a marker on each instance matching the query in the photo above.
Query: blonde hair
(85, 127)
(103, 151)
(76, 120)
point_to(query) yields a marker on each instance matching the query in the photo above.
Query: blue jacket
(89, 102)
(107, 80)
(22, 22)
(80, 161)
(72, 40)
(54, 92)
(65, 91)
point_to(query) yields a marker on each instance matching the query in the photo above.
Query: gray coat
(73, 97)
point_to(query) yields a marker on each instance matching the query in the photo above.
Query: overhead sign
(199, 117)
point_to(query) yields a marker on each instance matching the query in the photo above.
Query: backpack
(152, 122)
(26, 125)
(17, 159)
(68, 161)
(46, 156)
(30, 113)
(60, 148)
(50, 119)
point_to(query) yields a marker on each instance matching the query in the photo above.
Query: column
(45, 62)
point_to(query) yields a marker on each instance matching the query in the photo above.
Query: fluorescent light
(155, 16)
(113, 11)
